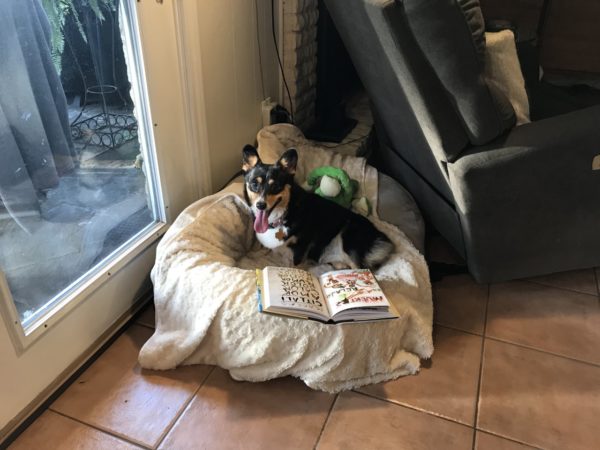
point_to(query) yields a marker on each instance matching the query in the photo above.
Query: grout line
(529, 347)
(414, 408)
(326, 421)
(182, 410)
(102, 430)
(537, 283)
(450, 327)
(97, 350)
(477, 397)
(547, 352)
(516, 441)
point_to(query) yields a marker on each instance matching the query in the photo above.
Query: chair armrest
(534, 160)
(529, 203)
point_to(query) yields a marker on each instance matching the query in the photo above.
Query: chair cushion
(451, 34)
(503, 72)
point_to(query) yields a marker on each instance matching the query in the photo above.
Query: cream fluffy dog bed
(205, 295)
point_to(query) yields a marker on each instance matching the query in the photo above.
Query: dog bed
(205, 294)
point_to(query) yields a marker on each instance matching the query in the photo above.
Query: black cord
(260, 64)
(233, 177)
(542, 22)
(279, 60)
(346, 142)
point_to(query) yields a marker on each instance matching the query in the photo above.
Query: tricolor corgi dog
(310, 226)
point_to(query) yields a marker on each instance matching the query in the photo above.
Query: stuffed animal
(334, 185)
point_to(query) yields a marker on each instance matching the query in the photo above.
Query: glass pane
(74, 180)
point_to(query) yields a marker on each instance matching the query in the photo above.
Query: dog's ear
(288, 161)
(250, 158)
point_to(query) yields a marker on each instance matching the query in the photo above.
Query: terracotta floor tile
(550, 319)
(538, 398)
(485, 441)
(358, 422)
(459, 302)
(115, 394)
(147, 316)
(448, 387)
(227, 414)
(577, 280)
(52, 431)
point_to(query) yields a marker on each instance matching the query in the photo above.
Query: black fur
(312, 220)
(315, 221)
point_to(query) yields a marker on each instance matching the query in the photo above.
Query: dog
(310, 226)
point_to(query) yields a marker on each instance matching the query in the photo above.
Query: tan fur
(253, 196)
(284, 195)
(271, 200)
(285, 163)
(249, 163)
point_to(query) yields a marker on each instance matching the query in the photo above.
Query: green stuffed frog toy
(334, 184)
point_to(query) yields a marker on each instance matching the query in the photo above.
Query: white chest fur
(270, 238)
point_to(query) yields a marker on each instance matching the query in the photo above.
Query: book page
(353, 288)
(293, 289)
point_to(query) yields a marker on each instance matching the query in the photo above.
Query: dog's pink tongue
(261, 222)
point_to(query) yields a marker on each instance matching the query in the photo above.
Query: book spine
(259, 279)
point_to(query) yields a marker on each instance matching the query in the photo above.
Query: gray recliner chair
(514, 201)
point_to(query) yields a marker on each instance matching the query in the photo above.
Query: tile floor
(516, 366)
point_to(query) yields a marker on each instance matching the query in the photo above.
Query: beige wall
(227, 32)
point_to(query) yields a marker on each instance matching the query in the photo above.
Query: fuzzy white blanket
(205, 295)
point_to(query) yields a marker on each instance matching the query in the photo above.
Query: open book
(337, 296)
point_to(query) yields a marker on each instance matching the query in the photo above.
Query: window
(78, 182)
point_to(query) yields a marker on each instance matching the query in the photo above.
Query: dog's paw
(340, 266)
(320, 269)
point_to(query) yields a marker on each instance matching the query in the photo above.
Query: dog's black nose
(261, 205)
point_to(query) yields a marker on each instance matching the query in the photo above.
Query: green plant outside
(58, 11)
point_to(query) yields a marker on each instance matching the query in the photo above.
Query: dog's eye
(275, 187)
(255, 185)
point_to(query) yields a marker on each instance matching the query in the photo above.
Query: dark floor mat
(124, 231)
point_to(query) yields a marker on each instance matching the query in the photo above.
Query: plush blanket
(205, 295)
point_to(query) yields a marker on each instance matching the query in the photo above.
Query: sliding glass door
(77, 183)
(95, 160)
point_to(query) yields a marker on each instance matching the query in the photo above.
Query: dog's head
(268, 186)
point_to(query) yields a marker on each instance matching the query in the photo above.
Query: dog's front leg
(299, 250)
